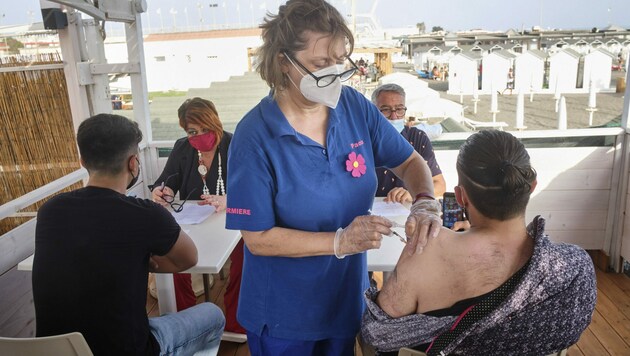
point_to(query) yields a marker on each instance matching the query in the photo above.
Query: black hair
(494, 169)
(106, 141)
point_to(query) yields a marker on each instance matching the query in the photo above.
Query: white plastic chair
(71, 344)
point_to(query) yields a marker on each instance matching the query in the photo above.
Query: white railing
(579, 188)
(13, 207)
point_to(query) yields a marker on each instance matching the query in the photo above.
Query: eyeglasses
(327, 79)
(387, 111)
(177, 207)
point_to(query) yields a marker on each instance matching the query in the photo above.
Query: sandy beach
(540, 114)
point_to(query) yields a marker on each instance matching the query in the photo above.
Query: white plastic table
(385, 258)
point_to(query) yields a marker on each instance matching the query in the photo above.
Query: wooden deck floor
(608, 334)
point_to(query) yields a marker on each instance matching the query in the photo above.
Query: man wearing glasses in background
(390, 100)
(93, 247)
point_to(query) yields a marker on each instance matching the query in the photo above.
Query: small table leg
(166, 293)
(206, 286)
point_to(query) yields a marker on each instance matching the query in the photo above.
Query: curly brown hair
(284, 32)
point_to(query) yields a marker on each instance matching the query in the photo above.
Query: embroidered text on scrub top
(355, 145)
(238, 211)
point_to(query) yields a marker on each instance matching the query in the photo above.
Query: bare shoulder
(436, 249)
(402, 291)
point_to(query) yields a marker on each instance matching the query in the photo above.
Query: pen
(162, 186)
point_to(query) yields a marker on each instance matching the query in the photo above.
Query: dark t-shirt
(387, 180)
(90, 271)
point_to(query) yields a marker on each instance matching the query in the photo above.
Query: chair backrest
(72, 344)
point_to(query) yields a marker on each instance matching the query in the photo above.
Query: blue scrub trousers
(265, 345)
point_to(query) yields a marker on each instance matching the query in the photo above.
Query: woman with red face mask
(197, 169)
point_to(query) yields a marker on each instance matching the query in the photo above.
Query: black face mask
(134, 180)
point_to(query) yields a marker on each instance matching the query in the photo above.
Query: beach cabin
(581, 46)
(558, 44)
(529, 69)
(496, 48)
(597, 44)
(463, 73)
(597, 68)
(563, 70)
(582, 178)
(516, 48)
(478, 49)
(613, 46)
(496, 66)
(453, 51)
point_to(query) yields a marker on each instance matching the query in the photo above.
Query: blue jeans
(194, 331)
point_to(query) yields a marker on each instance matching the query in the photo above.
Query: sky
(452, 15)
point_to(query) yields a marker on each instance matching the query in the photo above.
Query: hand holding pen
(158, 194)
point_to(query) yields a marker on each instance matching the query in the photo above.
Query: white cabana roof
(434, 107)
(414, 88)
(422, 101)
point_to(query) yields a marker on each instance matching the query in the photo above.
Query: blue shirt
(279, 177)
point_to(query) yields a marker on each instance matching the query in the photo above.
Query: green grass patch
(166, 94)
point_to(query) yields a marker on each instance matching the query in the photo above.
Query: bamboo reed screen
(37, 137)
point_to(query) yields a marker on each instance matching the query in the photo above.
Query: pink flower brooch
(355, 164)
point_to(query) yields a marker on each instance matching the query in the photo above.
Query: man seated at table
(499, 288)
(390, 100)
(94, 248)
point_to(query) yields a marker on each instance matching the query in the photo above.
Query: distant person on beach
(510, 82)
(95, 246)
(390, 100)
(435, 73)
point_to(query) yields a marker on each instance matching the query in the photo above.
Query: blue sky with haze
(449, 14)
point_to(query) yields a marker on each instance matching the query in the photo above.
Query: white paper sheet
(193, 213)
(389, 209)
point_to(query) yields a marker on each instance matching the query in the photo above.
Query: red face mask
(204, 142)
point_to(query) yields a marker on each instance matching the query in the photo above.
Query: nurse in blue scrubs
(302, 180)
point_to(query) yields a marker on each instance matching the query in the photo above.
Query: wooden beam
(29, 68)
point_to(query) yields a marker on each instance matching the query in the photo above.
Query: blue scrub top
(279, 177)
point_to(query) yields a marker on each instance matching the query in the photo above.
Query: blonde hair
(284, 32)
(200, 112)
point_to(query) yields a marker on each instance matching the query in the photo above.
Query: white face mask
(399, 124)
(329, 95)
